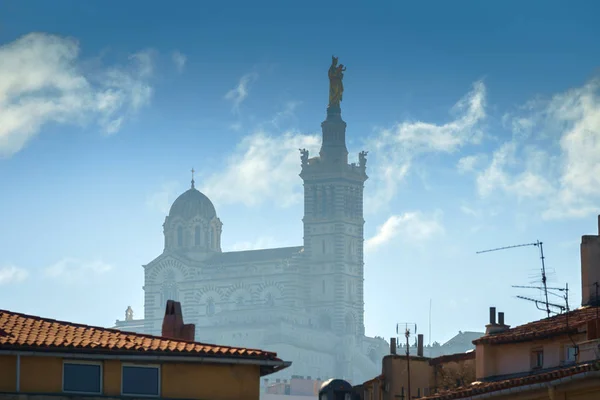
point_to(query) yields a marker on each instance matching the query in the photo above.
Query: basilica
(304, 302)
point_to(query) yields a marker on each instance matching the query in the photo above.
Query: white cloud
(560, 164)
(44, 81)
(12, 274)
(262, 169)
(396, 149)
(264, 164)
(470, 163)
(529, 183)
(162, 199)
(72, 270)
(239, 93)
(179, 59)
(413, 227)
(287, 113)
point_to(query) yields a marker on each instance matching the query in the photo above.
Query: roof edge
(152, 357)
(265, 353)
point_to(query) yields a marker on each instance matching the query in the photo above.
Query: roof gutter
(536, 386)
(155, 358)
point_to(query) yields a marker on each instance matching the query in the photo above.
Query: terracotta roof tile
(487, 387)
(31, 333)
(548, 327)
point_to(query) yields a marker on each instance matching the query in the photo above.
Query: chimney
(420, 345)
(494, 327)
(393, 345)
(173, 326)
(590, 269)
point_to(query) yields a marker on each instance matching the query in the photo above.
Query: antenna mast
(407, 326)
(544, 288)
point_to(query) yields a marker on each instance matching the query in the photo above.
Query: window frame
(82, 362)
(568, 349)
(535, 355)
(134, 365)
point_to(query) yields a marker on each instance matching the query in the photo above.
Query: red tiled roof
(487, 387)
(30, 333)
(548, 327)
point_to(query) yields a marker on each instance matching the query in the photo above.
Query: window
(570, 354)
(537, 358)
(140, 380)
(210, 307)
(82, 377)
(169, 292)
(180, 236)
(239, 301)
(269, 299)
(197, 236)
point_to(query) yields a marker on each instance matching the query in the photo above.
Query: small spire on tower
(193, 178)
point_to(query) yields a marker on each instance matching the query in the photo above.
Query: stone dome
(192, 203)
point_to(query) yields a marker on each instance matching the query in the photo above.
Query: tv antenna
(544, 287)
(407, 326)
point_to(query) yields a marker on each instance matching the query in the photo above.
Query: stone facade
(304, 302)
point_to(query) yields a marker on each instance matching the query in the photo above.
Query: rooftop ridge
(554, 325)
(482, 387)
(120, 332)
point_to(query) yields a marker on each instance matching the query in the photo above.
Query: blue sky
(482, 120)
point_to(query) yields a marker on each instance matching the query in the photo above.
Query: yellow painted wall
(8, 373)
(210, 381)
(41, 374)
(112, 377)
(217, 381)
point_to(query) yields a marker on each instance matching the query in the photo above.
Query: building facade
(42, 358)
(304, 302)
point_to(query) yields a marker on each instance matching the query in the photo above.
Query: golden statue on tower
(336, 86)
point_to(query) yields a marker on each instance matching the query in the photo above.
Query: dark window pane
(140, 380)
(81, 378)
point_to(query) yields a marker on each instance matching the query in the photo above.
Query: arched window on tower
(210, 306)
(346, 201)
(269, 300)
(332, 199)
(209, 238)
(197, 237)
(213, 237)
(352, 198)
(324, 201)
(180, 236)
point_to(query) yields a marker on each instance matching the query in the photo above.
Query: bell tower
(333, 225)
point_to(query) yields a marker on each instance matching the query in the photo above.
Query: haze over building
(304, 302)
